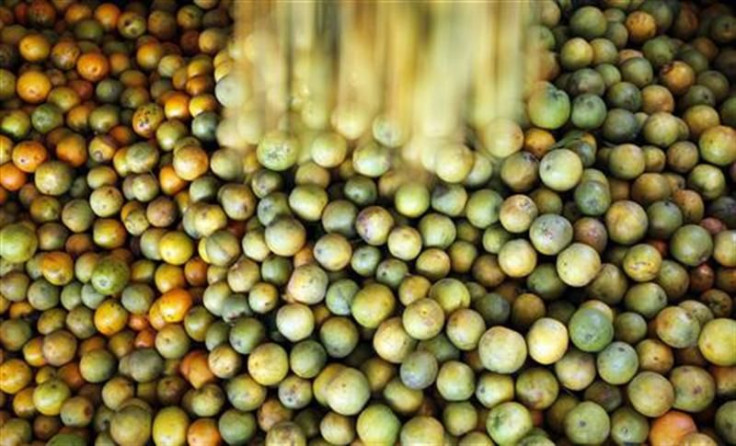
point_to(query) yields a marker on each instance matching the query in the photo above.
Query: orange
(57, 267)
(200, 85)
(203, 432)
(70, 374)
(11, 178)
(6, 16)
(33, 87)
(41, 13)
(93, 66)
(64, 54)
(23, 403)
(145, 338)
(195, 271)
(154, 316)
(110, 317)
(20, 310)
(34, 47)
(189, 41)
(138, 322)
(33, 352)
(14, 376)
(149, 54)
(174, 304)
(83, 88)
(77, 12)
(21, 13)
(179, 78)
(94, 343)
(122, 135)
(147, 118)
(202, 103)
(669, 429)
(170, 182)
(134, 78)
(119, 62)
(167, 277)
(195, 368)
(107, 15)
(72, 149)
(190, 162)
(28, 155)
(641, 25)
(78, 244)
(102, 148)
(176, 106)
(538, 141)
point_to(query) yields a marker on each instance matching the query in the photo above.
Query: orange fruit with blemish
(28, 155)
(93, 66)
(33, 86)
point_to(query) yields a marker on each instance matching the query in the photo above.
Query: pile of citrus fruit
(565, 279)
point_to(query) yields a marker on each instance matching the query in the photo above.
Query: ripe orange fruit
(93, 66)
(33, 87)
(11, 177)
(670, 428)
(28, 155)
